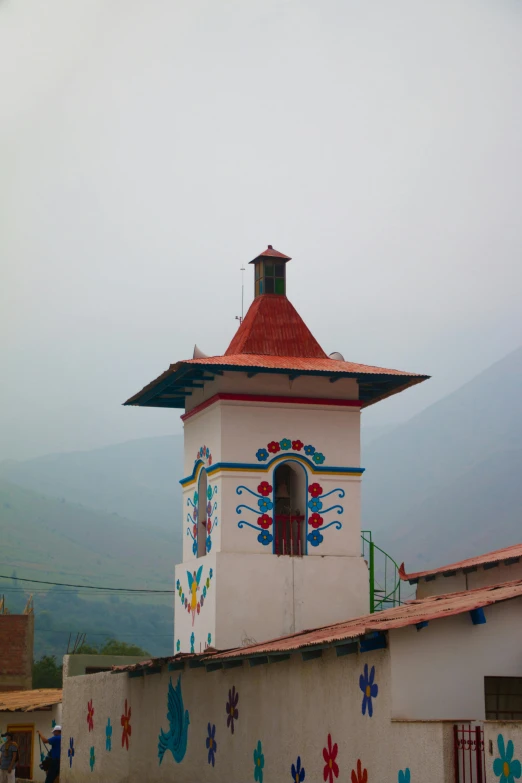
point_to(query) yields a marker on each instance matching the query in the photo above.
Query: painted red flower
(127, 728)
(90, 715)
(264, 488)
(264, 521)
(315, 520)
(210, 459)
(315, 490)
(194, 530)
(198, 608)
(331, 768)
(209, 526)
(297, 445)
(273, 447)
(361, 776)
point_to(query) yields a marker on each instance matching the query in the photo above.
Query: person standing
(8, 759)
(54, 754)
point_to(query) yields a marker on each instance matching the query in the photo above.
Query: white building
(271, 514)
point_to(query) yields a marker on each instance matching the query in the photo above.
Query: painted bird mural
(193, 581)
(175, 739)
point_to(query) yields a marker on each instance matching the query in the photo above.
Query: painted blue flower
(265, 537)
(285, 444)
(315, 538)
(318, 458)
(265, 504)
(209, 638)
(92, 759)
(178, 646)
(108, 735)
(262, 455)
(404, 775)
(505, 767)
(211, 573)
(177, 584)
(194, 547)
(204, 591)
(208, 544)
(70, 752)
(207, 452)
(209, 493)
(298, 772)
(192, 640)
(309, 450)
(211, 744)
(315, 504)
(259, 763)
(195, 498)
(369, 689)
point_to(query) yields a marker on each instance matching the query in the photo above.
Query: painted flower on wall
(315, 520)
(273, 447)
(70, 751)
(315, 504)
(90, 715)
(259, 763)
(285, 444)
(309, 450)
(92, 759)
(360, 775)
(505, 767)
(231, 708)
(211, 744)
(318, 458)
(262, 455)
(178, 646)
(315, 490)
(264, 521)
(265, 537)
(192, 640)
(404, 775)
(297, 445)
(331, 768)
(315, 538)
(209, 639)
(298, 772)
(265, 504)
(126, 726)
(108, 735)
(264, 488)
(369, 688)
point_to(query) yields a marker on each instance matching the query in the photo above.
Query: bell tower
(272, 476)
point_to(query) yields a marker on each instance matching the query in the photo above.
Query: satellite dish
(198, 354)
(336, 356)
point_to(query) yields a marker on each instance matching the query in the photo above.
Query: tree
(47, 673)
(113, 647)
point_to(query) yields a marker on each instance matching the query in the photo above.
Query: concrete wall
(289, 707)
(38, 720)
(76, 665)
(482, 577)
(497, 736)
(16, 651)
(438, 672)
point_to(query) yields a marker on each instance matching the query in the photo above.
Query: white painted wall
(39, 720)
(482, 577)
(438, 672)
(509, 731)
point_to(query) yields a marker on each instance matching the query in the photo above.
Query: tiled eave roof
(508, 556)
(172, 387)
(27, 701)
(353, 633)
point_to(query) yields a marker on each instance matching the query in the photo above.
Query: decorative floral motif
(195, 529)
(315, 537)
(315, 504)
(178, 646)
(209, 639)
(90, 715)
(297, 445)
(231, 708)
(211, 744)
(192, 640)
(315, 520)
(108, 735)
(92, 759)
(287, 444)
(264, 489)
(205, 455)
(361, 775)
(315, 490)
(297, 771)
(191, 602)
(175, 739)
(265, 538)
(273, 447)
(265, 504)
(264, 521)
(309, 450)
(262, 455)
(331, 768)
(505, 767)
(318, 458)
(369, 688)
(259, 763)
(126, 727)
(70, 751)
(404, 776)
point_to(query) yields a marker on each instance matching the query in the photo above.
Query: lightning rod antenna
(240, 317)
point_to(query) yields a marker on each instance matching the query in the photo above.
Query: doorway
(202, 513)
(290, 509)
(24, 738)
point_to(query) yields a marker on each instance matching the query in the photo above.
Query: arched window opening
(202, 513)
(290, 509)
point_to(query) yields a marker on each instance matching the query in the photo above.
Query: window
(270, 278)
(202, 513)
(503, 697)
(290, 509)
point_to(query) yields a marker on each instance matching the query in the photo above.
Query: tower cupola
(270, 268)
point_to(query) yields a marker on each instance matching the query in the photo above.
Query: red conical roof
(271, 253)
(273, 327)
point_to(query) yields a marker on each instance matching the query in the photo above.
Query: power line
(87, 587)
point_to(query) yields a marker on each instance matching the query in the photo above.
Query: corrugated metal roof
(273, 327)
(271, 253)
(423, 610)
(330, 366)
(26, 701)
(497, 556)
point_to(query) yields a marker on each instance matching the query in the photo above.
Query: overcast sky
(148, 149)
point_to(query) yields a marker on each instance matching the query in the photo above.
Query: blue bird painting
(175, 739)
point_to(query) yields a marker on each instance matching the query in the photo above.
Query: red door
(23, 736)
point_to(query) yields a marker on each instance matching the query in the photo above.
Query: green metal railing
(385, 584)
